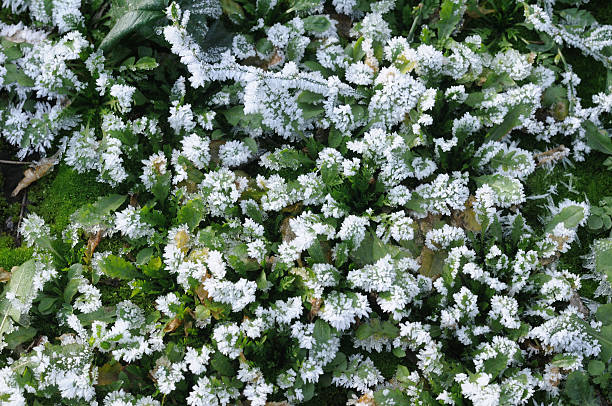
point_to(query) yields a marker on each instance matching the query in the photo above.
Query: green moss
(6, 241)
(56, 197)
(10, 257)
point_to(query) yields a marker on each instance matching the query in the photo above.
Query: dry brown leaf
(480, 13)
(316, 306)
(285, 229)
(202, 293)
(173, 325)
(5, 276)
(31, 175)
(92, 243)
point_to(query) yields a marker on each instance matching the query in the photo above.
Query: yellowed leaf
(109, 373)
(31, 175)
(432, 262)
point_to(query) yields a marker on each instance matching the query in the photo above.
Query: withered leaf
(5, 276)
(31, 175)
(109, 373)
(173, 325)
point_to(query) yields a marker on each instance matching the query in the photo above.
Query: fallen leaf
(31, 175)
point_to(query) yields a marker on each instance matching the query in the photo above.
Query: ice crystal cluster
(315, 195)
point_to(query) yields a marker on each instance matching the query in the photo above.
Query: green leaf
(449, 17)
(117, 267)
(512, 120)
(322, 331)
(161, 188)
(597, 139)
(20, 286)
(47, 304)
(106, 314)
(399, 353)
(192, 213)
(373, 248)
(596, 367)
(19, 336)
(232, 10)
(571, 216)
(495, 366)
(144, 255)
(145, 63)
(137, 14)
(578, 389)
(604, 313)
(74, 280)
(91, 214)
(301, 5)
(14, 74)
(222, 364)
(310, 110)
(316, 23)
(234, 115)
(308, 391)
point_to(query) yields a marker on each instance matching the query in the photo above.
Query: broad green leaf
(145, 63)
(596, 367)
(222, 364)
(597, 139)
(19, 336)
(74, 280)
(144, 255)
(449, 17)
(20, 286)
(14, 74)
(92, 214)
(322, 331)
(373, 248)
(137, 14)
(571, 216)
(117, 267)
(232, 10)
(191, 213)
(316, 23)
(512, 120)
(604, 313)
(578, 389)
(106, 314)
(496, 365)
